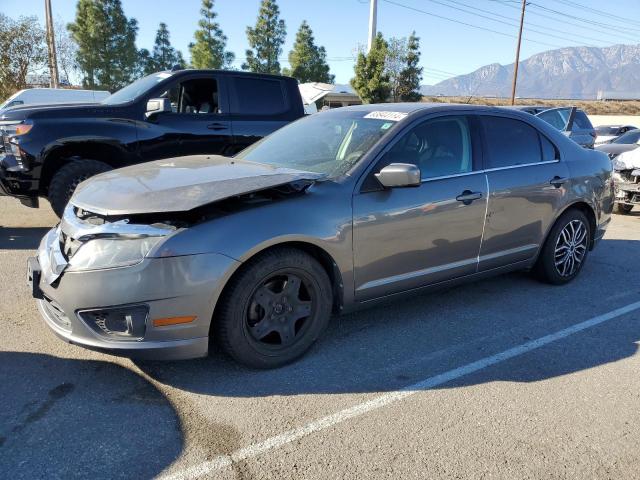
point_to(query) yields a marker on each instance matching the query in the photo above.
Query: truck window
(258, 96)
(195, 96)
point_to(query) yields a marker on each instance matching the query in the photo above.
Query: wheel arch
(586, 209)
(61, 154)
(321, 255)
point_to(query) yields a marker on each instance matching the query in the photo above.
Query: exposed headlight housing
(112, 252)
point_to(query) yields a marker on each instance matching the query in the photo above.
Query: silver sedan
(332, 213)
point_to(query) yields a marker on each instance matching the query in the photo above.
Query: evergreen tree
(371, 80)
(107, 54)
(164, 56)
(208, 51)
(146, 65)
(308, 61)
(266, 40)
(411, 76)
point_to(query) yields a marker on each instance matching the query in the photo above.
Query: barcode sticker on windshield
(381, 115)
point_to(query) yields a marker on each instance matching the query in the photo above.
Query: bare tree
(66, 49)
(22, 51)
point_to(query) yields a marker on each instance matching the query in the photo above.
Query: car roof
(224, 72)
(411, 107)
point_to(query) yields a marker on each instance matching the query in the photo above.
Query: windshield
(607, 130)
(329, 143)
(137, 88)
(628, 138)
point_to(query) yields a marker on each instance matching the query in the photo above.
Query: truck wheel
(623, 209)
(565, 250)
(65, 181)
(274, 309)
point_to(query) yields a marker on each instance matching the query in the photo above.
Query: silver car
(334, 212)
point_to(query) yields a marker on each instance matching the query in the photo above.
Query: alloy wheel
(571, 248)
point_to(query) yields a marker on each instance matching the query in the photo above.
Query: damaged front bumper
(125, 310)
(627, 187)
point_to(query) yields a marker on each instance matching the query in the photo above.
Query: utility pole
(515, 68)
(373, 19)
(51, 43)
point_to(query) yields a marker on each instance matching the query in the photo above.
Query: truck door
(198, 123)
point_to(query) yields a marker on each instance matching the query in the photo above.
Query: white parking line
(292, 435)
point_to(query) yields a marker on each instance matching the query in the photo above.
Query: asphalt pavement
(504, 378)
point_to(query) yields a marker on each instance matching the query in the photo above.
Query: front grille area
(57, 314)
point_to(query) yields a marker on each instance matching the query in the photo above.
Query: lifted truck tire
(65, 181)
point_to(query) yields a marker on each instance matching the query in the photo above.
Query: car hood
(627, 160)
(25, 111)
(616, 148)
(179, 184)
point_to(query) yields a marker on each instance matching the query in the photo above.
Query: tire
(623, 209)
(67, 178)
(257, 321)
(578, 231)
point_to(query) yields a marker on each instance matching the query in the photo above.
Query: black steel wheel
(274, 309)
(623, 208)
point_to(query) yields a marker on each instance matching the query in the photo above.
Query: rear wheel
(566, 249)
(623, 209)
(65, 181)
(274, 309)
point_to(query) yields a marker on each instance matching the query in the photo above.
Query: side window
(258, 96)
(195, 96)
(439, 147)
(510, 142)
(15, 103)
(549, 150)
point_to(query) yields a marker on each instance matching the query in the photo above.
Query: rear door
(199, 122)
(527, 186)
(258, 107)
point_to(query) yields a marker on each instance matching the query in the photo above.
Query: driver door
(198, 124)
(405, 238)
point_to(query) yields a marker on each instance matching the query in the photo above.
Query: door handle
(468, 196)
(217, 126)
(558, 181)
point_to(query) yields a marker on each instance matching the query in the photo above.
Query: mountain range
(571, 73)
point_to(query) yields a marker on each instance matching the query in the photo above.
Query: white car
(52, 95)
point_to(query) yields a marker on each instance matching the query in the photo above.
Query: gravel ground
(565, 406)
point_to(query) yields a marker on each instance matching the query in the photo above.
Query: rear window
(582, 121)
(258, 96)
(510, 142)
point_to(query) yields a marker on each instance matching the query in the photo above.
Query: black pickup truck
(46, 150)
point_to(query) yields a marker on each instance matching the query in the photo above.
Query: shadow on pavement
(390, 347)
(21, 238)
(64, 418)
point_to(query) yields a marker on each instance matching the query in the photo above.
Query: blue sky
(340, 25)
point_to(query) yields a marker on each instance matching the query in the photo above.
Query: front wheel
(623, 208)
(274, 309)
(566, 249)
(65, 181)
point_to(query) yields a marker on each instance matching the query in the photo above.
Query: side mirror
(157, 105)
(399, 175)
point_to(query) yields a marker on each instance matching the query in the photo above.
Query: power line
(565, 22)
(529, 23)
(600, 12)
(581, 19)
(392, 2)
